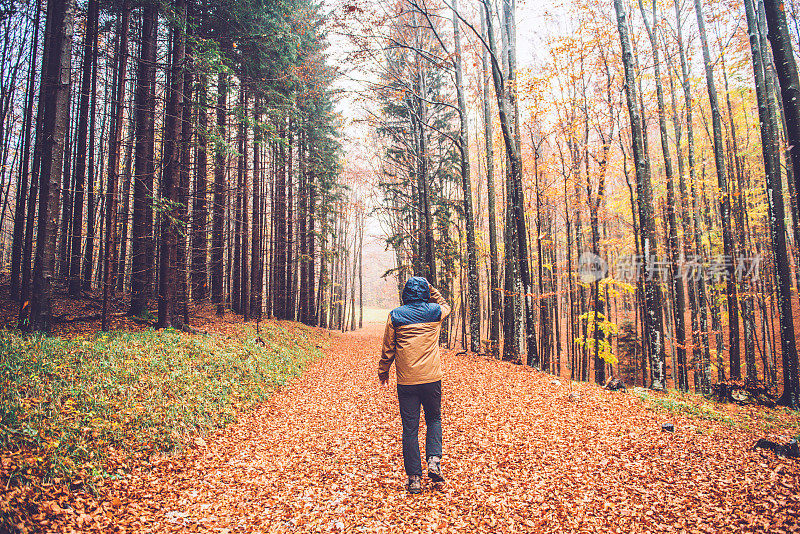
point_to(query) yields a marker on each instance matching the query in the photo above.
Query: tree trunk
(517, 192)
(361, 274)
(302, 221)
(125, 213)
(88, 253)
(701, 346)
(473, 280)
(281, 242)
(256, 273)
(790, 90)
(55, 97)
(24, 177)
(311, 250)
(220, 196)
(199, 278)
(324, 285)
(653, 335)
(170, 180)
(144, 165)
(114, 151)
(186, 138)
(353, 273)
(513, 318)
(724, 203)
(595, 202)
(62, 265)
(545, 305)
(244, 301)
(271, 264)
(676, 280)
(494, 265)
(236, 282)
(290, 264)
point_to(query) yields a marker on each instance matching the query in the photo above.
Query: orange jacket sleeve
(389, 350)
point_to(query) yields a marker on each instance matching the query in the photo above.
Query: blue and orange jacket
(411, 339)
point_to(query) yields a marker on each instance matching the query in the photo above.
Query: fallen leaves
(323, 454)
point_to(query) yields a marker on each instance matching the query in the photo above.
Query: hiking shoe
(435, 469)
(414, 484)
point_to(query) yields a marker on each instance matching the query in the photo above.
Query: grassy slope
(777, 423)
(74, 411)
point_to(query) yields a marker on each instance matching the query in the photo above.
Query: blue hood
(417, 289)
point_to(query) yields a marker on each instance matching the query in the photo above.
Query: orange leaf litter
(324, 455)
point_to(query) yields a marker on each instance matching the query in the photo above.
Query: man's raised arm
(439, 299)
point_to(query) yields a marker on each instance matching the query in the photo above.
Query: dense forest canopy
(602, 189)
(179, 152)
(605, 189)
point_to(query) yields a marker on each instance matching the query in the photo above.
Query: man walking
(411, 340)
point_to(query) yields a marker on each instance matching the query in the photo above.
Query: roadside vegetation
(76, 412)
(778, 421)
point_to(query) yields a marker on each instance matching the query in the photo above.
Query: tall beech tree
(652, 292)
(488, 136)
(466, 185)
(724, 200)
(786, 67)
(676, 281)
(512, 325)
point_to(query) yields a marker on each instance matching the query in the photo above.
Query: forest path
(324, 455)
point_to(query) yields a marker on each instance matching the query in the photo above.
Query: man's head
(417, 289)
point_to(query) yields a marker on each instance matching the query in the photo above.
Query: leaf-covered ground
(521, 455)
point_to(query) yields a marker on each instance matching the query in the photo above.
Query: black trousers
(410, 398)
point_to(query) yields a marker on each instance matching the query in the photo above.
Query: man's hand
(432, 291)
(384, 380)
